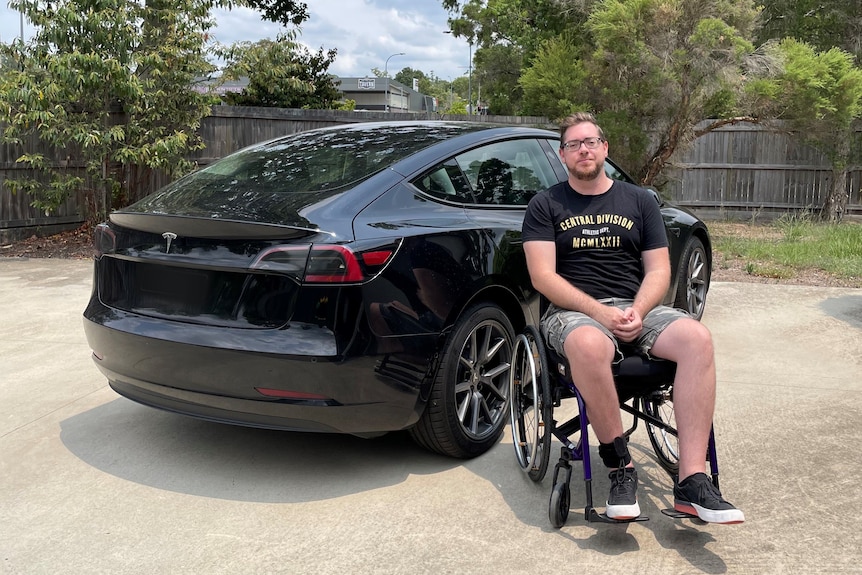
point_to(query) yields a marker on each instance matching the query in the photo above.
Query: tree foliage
(823, 25)
(111, 80)
(285, 12)
(818, 95)
(497, 70)
(507, 34)
(281, 73)
(551, 84)
(646, 67)
(407, 75)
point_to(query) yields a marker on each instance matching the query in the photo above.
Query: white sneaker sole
(623, 512)
(722, 516)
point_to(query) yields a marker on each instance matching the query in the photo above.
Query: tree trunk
(836, 201)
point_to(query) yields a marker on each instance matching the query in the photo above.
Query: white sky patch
(365, 33)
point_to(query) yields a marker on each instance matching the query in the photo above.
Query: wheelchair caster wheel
(558, 508)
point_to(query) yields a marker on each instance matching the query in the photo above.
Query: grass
(790, 246)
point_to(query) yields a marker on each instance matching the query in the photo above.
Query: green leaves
(109, 82)
(280, 73)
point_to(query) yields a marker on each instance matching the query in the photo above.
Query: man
(597, 250)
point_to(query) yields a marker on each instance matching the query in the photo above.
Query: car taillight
(104, 240)
(332, 264)
(325, 264)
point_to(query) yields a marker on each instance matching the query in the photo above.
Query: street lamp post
(386, 76)
(470, 79)
(469, 74)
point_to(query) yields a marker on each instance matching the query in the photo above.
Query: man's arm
(656, 280)
(542, 265)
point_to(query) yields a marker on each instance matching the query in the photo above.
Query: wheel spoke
(496, 372)
(495, 390)
(492, 350)
(462, 407)
(475, 405)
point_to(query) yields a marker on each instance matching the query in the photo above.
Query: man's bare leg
(689, 343)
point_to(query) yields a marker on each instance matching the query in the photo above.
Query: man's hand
(626, 325)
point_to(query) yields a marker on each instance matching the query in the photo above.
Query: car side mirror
(657, 197)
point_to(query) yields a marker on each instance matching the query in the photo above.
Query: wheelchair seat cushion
(635, 375)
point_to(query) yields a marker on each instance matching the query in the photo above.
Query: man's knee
(589, 345)
(683, 338)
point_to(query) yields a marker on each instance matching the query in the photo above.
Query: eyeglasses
(575, 145)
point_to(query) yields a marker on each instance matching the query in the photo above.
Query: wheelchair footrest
(673, 513)
(594, 516)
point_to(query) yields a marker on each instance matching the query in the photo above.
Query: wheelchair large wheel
(665, 443)
(531, 404)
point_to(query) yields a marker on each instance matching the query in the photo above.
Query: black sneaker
(696, 495)
(622, 501)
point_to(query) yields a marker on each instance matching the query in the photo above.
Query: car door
(504, 176)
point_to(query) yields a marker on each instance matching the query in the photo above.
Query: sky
(365, 32)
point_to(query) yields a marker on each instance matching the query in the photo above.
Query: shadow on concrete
(847, 308)
(529, 502)
(186, 455)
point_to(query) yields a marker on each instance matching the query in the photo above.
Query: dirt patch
(71, 244)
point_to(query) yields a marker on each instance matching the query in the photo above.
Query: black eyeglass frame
(575, 145)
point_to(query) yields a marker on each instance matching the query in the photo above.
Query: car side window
(507, 173)
(446, 182)
(615, 173)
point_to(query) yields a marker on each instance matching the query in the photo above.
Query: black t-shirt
(599, 238)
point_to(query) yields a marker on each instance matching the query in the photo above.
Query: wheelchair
(539, 382)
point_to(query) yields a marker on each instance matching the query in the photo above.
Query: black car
(357, 279)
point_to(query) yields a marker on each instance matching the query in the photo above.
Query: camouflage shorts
(558, 323)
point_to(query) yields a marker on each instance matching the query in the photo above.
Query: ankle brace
(616, 454)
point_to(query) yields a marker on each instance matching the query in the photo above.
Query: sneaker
(623, 502)
(696, 495)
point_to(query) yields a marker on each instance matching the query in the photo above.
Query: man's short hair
(579, 118)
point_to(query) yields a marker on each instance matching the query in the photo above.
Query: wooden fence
(746, 170)
(741, 169)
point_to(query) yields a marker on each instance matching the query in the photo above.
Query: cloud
(364, 32)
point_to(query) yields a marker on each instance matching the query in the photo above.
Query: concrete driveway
(94, 483)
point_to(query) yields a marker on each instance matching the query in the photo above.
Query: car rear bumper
(172, 368)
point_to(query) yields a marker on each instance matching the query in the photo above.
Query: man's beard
(587, 176)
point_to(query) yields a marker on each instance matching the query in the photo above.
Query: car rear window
(279, 176)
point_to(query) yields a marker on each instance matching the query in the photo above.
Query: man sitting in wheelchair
(597, 249)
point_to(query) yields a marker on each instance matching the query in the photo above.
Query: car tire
(694, 277)
(468, 405)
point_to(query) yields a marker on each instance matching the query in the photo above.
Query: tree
(281, 74)
(507, 35)
(407, 75)
(819, 95)
(661, 61)
(497, 70)
(550, 84)
(649, 69)
(823, 25)
(112, 81)
(285, 12)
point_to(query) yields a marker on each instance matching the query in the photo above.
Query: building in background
(375, 94)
